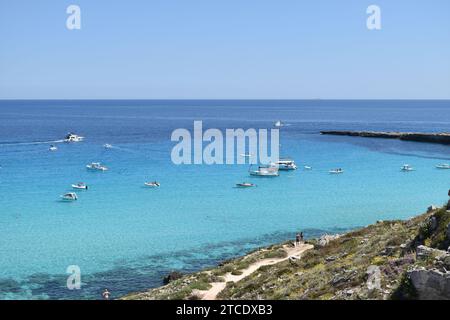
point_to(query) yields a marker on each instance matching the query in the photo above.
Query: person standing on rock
(297, 239)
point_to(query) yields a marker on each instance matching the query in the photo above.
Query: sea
(126, 237)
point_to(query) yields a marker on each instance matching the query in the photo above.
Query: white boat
(278, 124)
(96, 166)
(52, 148)
(336, 171)
(153, 184)
(80, 186)
(245, 185)
(269, 171)
(71, 137)
(307, 168)
(443, 166)
(286, 164)
(107, 146)
(245, 155)
(71, 196)
(407, 167)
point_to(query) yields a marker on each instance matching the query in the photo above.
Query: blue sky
(227, 49)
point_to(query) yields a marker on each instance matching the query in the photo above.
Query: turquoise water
(126, 237)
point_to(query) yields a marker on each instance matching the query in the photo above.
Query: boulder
(174, 275)
(325, 239)
(430, 284)
(424, 253)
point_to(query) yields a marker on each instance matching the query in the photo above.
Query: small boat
(52, 148)
(96, 166)
(336, 171)
(307, 168)
(443, 166)
(71, 137)
(245, 185)
(245, 155)
(269, 171)
(407, 167)
(278, 124)
(153, 184)
(286, 164)
(71, 196)
(80, 186)
(107, 146)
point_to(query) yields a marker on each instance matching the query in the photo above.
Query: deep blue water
(126, 237)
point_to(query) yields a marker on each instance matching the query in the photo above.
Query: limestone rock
(431, 284)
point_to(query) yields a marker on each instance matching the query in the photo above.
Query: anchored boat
(286, 164)
(407, 167)
(443, 166)
(80, 186)
(71, 196)
(96, 166)
(265, 171)
(153, 184)
(245, 185)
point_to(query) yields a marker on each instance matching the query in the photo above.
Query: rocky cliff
(442, 138)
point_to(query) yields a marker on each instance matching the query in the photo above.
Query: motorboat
(245, 155)
(278, 124)
(262, 171)
(96, 166)
(52, 148)
(80, 186)
(107, 146)
(245, 185)
(336, 171)
(286, 164)
(407, 167)
(443, 166)
(72, 137)
(153, 184)
(307, 168)
(71, 196)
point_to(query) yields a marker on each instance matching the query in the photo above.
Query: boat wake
(29, 143)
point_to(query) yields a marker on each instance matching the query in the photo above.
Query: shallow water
(126, 237)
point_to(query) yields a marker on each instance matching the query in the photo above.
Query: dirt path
(217, 287)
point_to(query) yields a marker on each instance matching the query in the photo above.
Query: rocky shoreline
(441, 138)
(388, 260)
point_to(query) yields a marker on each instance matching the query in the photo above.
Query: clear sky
(227, 49)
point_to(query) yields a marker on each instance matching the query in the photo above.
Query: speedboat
(153, 184)
(336, 171)
(245, 185)
(443, 166)
(278, 124)
(107, 146)
(407, 167)
(71, 196)
(96, 166)
(269, 171)
(52, 148)
(80, 186)
(71, 137)
(286, 164)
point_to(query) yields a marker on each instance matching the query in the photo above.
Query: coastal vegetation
(386, 260)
